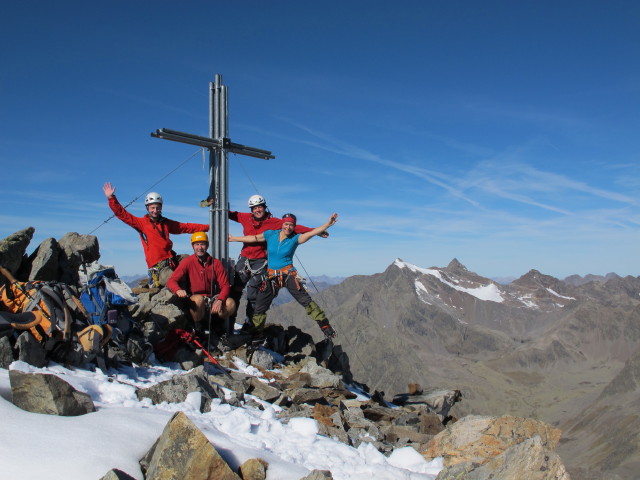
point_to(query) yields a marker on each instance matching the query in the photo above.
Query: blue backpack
(103, 305)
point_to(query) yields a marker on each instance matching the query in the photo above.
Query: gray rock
(306, 395)
(409, 419)
(45, 393)
(13, 248)
(116, 474)
(76, 249)
(382, 414)
(177, 388)
(298, 380)
(439, 401)
(168, 316)
(335, 432)
(43, 262)
(262, 358)
(320, 377)
(239, 382)
(318, 475)
(183, 451)
(263, 391)
(30, 350)
(403, 434)
(296, 411)
(6, 352)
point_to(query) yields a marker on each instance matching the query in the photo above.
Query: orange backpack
(43, 297)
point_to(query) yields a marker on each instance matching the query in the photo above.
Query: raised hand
(108, 189)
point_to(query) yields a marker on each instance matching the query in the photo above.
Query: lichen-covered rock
(478, 439)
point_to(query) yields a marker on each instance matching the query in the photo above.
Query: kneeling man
(203, 280)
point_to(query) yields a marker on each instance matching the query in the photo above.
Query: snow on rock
(489, 292)
(123, 429)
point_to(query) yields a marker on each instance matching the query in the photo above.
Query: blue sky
(504, 134)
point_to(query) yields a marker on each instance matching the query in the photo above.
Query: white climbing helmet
(256, 200)
(153, 197)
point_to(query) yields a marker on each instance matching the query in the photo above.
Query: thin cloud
(337, 146)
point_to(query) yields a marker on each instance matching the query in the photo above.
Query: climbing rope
(150, 187)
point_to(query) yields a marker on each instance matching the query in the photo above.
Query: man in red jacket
(202, 279)
(154, 232)
(252, 262)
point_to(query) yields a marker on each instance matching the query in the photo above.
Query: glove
(328, 331)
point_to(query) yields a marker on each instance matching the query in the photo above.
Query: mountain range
(563, 351)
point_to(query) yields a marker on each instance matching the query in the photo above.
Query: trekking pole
(213, 360)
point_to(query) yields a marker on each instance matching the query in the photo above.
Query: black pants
(266, 296)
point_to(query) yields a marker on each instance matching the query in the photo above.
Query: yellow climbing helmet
(199, 237)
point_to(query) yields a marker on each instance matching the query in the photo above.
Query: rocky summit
(487, 376)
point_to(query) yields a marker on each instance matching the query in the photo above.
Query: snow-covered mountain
(537, 347)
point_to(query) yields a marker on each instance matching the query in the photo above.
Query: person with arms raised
(281, 246)
(154, 230)
(251, 266)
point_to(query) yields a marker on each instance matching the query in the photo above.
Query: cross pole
(219, 146)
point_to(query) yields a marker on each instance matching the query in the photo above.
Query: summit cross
(219, 145)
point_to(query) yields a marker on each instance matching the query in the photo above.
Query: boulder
(306, 395)
(437, 400)
(263, 359)
(263, 391)
(76, 249)
(478, 439)
(183, 451)
(45, 393)
(6, 352)
(13, 248)
(31, 350)
(319, 376)
(43, 262)
(318, 475)
(254, 469)
(178, 387)
(528, 460)
(116, 474)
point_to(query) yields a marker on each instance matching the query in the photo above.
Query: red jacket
(154, 235)
(197, 278)
(251, 226)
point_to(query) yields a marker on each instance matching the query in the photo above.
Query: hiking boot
(327, 329)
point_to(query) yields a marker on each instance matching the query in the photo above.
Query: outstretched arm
(318, 230)
(247, 238)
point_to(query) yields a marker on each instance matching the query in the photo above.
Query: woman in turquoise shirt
(281, 246)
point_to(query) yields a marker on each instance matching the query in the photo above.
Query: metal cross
(219, 146)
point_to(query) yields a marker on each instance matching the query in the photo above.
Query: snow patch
(127, 427)
(421, 289)
(489, 292)
(558, 295)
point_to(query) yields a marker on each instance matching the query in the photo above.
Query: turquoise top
(280, 253)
